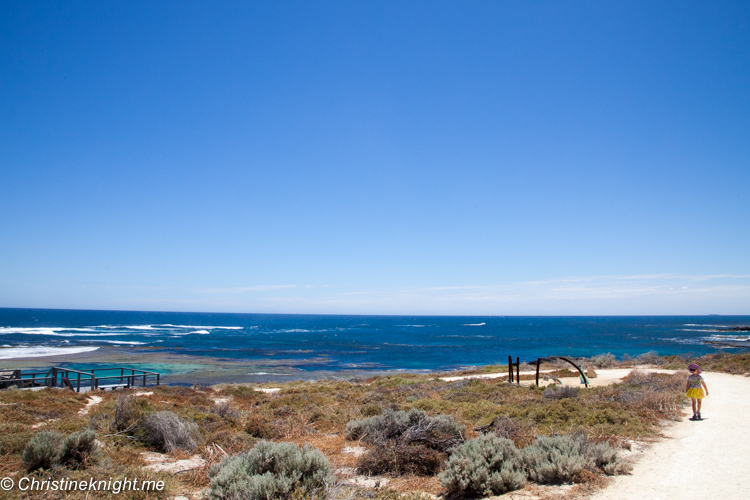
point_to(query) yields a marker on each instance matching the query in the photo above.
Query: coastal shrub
(603, 361)
(505, 427)
(605, 457)
(42, 451)
(79, 449)
(127, 414)
(166, 431)
(488, 465)
(560, 392)
(406, 442)
(262, 428)
(557, 459)
(224, 410)
(370, 410)
(719, 362)
(401, 458)
(13, 438)
(271, 470)
(231, 441)
(649, 358)
(414, 425)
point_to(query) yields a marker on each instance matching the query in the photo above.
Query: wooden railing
(76, 379)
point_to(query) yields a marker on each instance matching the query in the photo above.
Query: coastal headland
(636, 411)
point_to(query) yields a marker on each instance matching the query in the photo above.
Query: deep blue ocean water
(321, 342)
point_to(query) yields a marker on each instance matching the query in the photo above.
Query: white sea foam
(36, 352)
(56, 332)
(728, 338)
(201, 327)
(476, 324)
(129, 342)
(712, 326)
(198, 332)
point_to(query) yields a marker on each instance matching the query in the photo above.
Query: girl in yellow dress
(694, 390)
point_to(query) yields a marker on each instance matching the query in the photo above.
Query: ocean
(331, 343)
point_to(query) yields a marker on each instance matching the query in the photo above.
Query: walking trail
(704, 460)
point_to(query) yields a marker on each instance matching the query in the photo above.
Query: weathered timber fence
(77, 379)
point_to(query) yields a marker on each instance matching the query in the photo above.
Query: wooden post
(510, 369)
(538, 361)
(518, 370)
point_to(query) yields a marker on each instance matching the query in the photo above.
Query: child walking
(694, 390)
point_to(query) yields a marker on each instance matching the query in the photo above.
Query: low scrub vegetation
(405, 442)
(42, 451)
(271, 470)
(488, 465)
(49, 449)
(168, 432)
(410, 426)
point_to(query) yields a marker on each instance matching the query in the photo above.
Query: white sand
(705, 460)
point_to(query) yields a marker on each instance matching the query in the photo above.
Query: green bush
(557, 459)
(166, 431)
(42, 451)
(79, 449)
(271, 471)
(488, 465)
(370, 410)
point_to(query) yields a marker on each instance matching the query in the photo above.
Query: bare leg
(695, 404)
(699, 405)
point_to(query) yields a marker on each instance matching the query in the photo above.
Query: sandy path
(698, 460)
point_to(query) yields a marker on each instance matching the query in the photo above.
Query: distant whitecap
(36, 352)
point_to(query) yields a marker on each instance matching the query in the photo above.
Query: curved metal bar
(583, 375)
(538, 362)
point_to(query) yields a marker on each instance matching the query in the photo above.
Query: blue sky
(376, 157)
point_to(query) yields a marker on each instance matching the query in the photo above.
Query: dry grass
(736, 364)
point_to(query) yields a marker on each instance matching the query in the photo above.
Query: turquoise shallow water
(361, 343)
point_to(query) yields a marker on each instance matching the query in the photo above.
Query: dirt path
(699, 460)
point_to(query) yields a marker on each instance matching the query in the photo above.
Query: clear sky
(405, 157)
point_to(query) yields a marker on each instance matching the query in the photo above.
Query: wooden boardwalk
(79, 380)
